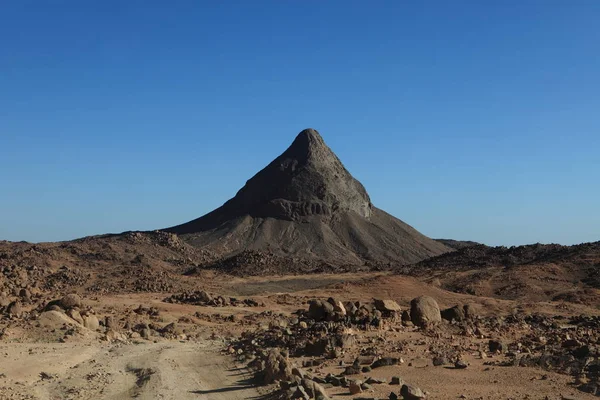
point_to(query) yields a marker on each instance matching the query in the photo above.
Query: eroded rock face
(307, 179)
(424, 311)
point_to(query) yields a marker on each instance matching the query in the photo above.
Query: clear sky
(473, 120)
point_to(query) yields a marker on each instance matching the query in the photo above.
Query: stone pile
(203, 298)
(72, 306)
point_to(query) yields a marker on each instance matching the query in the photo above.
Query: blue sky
(466, 119)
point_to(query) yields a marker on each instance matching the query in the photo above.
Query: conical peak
(307, 142)
(311, 135)
(306, 179)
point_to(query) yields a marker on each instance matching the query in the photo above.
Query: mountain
(306, 204)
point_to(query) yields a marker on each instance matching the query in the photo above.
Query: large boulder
(205, 297)
(70, 301)
(320, 310)
(338, 307)
(91, 322)
(455, 313)
(277, 368)
(387, 305)
(469, 311)
(425, 311)
(55, 320)
(314, 390)
(355, 387)
(410, 392)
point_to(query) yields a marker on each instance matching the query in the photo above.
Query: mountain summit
(306, 204)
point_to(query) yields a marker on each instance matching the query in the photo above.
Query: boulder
(54, 320)
(355, 387)
(314, 390)
(387, 305)
(54, 307)
(14, 309)
(351, 308)
(300, 393)
(385, 361)
(205, 296)
(469, 311)
(277, 368)
(70, 301)
(320, 310)
(109, 322)
(339, 308)
(425, 311)
(91, 322)
(410, 392)
(76, 316)
(396, 380)
(497, 346)
(455, 313)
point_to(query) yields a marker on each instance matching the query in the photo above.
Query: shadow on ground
(241, 384)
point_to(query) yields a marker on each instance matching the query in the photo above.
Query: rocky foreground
(305, 345)
(527, 329)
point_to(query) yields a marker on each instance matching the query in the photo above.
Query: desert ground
(183, 349)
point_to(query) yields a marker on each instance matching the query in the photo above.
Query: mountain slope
(306, 204)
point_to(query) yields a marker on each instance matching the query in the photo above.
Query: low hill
(537, 272)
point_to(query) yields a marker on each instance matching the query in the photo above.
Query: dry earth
(190, 362)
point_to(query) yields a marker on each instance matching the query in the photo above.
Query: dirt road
(164, 370)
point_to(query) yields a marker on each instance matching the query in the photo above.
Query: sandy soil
(143, 370)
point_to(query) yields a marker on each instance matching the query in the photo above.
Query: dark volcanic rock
(455, 313)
